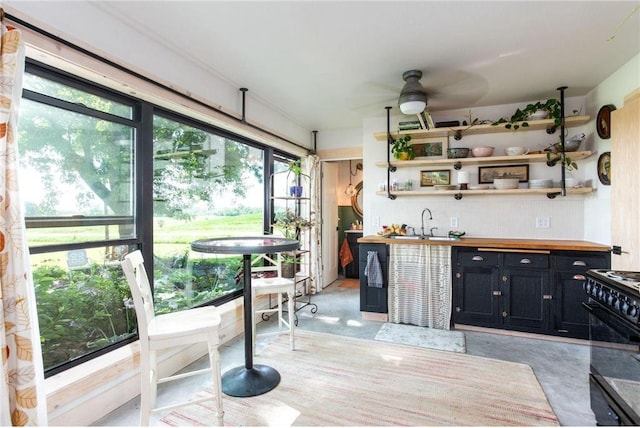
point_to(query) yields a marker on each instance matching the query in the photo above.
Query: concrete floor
(562, 368)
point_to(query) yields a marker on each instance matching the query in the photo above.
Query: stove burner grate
(624, 276)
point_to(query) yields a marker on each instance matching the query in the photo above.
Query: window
(96, 185)
(205, 185)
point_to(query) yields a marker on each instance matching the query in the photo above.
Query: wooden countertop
(497, 243)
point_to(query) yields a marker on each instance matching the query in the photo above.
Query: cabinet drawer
(478, 258)
(526, 260)
(581, 262)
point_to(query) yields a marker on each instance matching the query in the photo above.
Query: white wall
(505, 216)
(131, 48)
(598, 211)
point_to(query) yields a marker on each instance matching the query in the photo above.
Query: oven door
(615, 367)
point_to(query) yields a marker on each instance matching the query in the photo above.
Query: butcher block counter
(503, 243)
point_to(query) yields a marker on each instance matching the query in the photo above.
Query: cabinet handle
(525, 261)
(477, 258)
(497, 293)
(579, 277)
(505, 278)
(458, 275)
(504, 314)
(458, 309)
(579, 263)
(547, 297)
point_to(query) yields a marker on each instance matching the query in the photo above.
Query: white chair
(168, 331)
(266, 272)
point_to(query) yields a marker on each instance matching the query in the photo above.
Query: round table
(248, 380)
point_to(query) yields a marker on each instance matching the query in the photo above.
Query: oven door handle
(614, 321)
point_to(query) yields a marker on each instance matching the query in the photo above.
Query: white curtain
(312, 166)
(420, 285)
(22, 396)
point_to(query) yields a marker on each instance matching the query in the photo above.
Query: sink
(407, 237)
(442, 238)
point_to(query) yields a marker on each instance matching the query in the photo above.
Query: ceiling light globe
(412, 107)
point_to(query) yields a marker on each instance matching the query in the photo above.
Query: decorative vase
(295, 191)
(402, 156)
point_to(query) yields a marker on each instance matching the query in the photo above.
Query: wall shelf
(429, 193)
(542, 157)
(534, 125)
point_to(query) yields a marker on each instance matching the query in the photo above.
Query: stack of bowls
(541, 184)
(505, 183)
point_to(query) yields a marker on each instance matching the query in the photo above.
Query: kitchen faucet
(422, 218)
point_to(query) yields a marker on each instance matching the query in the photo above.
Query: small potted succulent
(402, 149)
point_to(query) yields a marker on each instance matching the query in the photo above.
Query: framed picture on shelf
(433, 178)
(430, 147)
(486, 174)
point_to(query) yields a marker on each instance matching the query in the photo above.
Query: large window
(98, 182)
(204, 185)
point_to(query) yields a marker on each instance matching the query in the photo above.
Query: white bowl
(516, 151)
(482, 151)
(506, 183)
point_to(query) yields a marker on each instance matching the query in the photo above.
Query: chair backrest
(267, 265)
(133, 267)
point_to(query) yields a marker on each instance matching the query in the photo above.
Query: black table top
(245, 245)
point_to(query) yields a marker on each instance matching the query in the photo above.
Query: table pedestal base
(243, 382)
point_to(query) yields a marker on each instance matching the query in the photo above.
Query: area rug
(349, 283)
(445, 340)
(332, 380)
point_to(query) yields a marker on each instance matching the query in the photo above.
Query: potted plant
(554, 154)
(288, 265)
(535, 111)
(401, 149)
(295, 169)
(290, 224)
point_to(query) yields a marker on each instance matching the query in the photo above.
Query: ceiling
(327, 65)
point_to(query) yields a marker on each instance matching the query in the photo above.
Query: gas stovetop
(617, 290)
(628, 279)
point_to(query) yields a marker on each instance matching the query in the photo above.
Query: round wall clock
(604, 168)
(603, 121)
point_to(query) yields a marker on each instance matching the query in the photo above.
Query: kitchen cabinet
(568, 274)
(373, 299)
(457, 164)
(353, 268)
(501, 290)
(531, 291)
(475, 285)
(526, 291)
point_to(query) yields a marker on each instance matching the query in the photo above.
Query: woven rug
(444, 340)
(333, 380)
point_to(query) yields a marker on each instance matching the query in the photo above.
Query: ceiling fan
(413, 96)
(441, 90)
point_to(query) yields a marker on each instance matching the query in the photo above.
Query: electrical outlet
(453, 222)
(543, 222)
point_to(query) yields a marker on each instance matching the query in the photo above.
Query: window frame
(142, 124)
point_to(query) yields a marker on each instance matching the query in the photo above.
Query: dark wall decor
(603, 121)
(604, 168)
